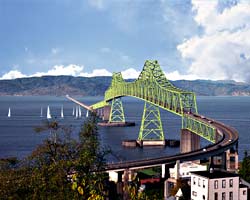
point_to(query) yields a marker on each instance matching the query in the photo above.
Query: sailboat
(9, 113)
(87, 114)
(76, 112)
(80, 112)
(48, 113)
(62, 116)
(41, 115)
(73, 112)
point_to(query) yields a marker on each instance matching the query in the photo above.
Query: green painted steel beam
(151, 126)
(200, 128)
(153, 87)
(100, 104)
(117, 112)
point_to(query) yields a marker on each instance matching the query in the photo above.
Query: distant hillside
(96, 86)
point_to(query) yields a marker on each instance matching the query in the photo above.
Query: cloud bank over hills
(77, 70)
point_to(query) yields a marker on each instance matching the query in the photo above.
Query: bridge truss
(153, 87)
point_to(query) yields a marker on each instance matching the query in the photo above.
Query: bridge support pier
(189, 141)
(232, 160)
(106, 113)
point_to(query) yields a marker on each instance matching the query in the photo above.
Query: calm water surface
(18, 138)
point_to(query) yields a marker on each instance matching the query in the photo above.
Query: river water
(18, 138)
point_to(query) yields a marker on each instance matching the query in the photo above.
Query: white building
(217, 185)
(184, 169)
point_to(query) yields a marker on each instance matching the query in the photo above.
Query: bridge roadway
(229, 138)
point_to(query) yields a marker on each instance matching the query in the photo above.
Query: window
(194, 193)
(194, 180)
(223, 183)
(244, 192)
(215, 196)
(203, 197)
(223, 196)
(231, 183)
(203, 184)
(215, 184)
(199, 182)
(230, 195)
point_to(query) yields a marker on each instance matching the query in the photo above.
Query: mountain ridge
(96, 86)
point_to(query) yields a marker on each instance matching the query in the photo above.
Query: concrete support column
(106, 113)
(232, 160)
(224, 161)
(189, 141)
(166, 189)
(163, 170)
(236, 162)
(228, 159)
(113, 176)
(177, 168)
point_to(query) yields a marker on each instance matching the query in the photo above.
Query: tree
(89, 179)
(57, 166)
(245, 168)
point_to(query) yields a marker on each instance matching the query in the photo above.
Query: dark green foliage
(245, 168)
(60, 168)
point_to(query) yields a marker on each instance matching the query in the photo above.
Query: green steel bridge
(156, 91)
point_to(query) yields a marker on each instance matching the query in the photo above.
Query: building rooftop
(243, 186)
(215, 174)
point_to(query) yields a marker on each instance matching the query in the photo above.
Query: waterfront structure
(217, 185)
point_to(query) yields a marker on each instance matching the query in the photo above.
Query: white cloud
(175, 75)
(223, 50)
(97, 72)
(130, 73)
(70, 70)
(77, 70)
(13, 74)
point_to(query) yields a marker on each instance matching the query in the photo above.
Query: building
(217, 185)
(184, 169)
(181, 171)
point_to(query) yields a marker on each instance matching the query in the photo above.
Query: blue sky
(97, 37)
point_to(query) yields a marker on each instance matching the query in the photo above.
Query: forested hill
(96, 86)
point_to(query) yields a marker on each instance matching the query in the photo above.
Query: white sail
(73, 112)
(80, 112)
(48, 113)
(9, 113)
(41, 112)
(76, 112)
(87, 114)
(62, 115)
